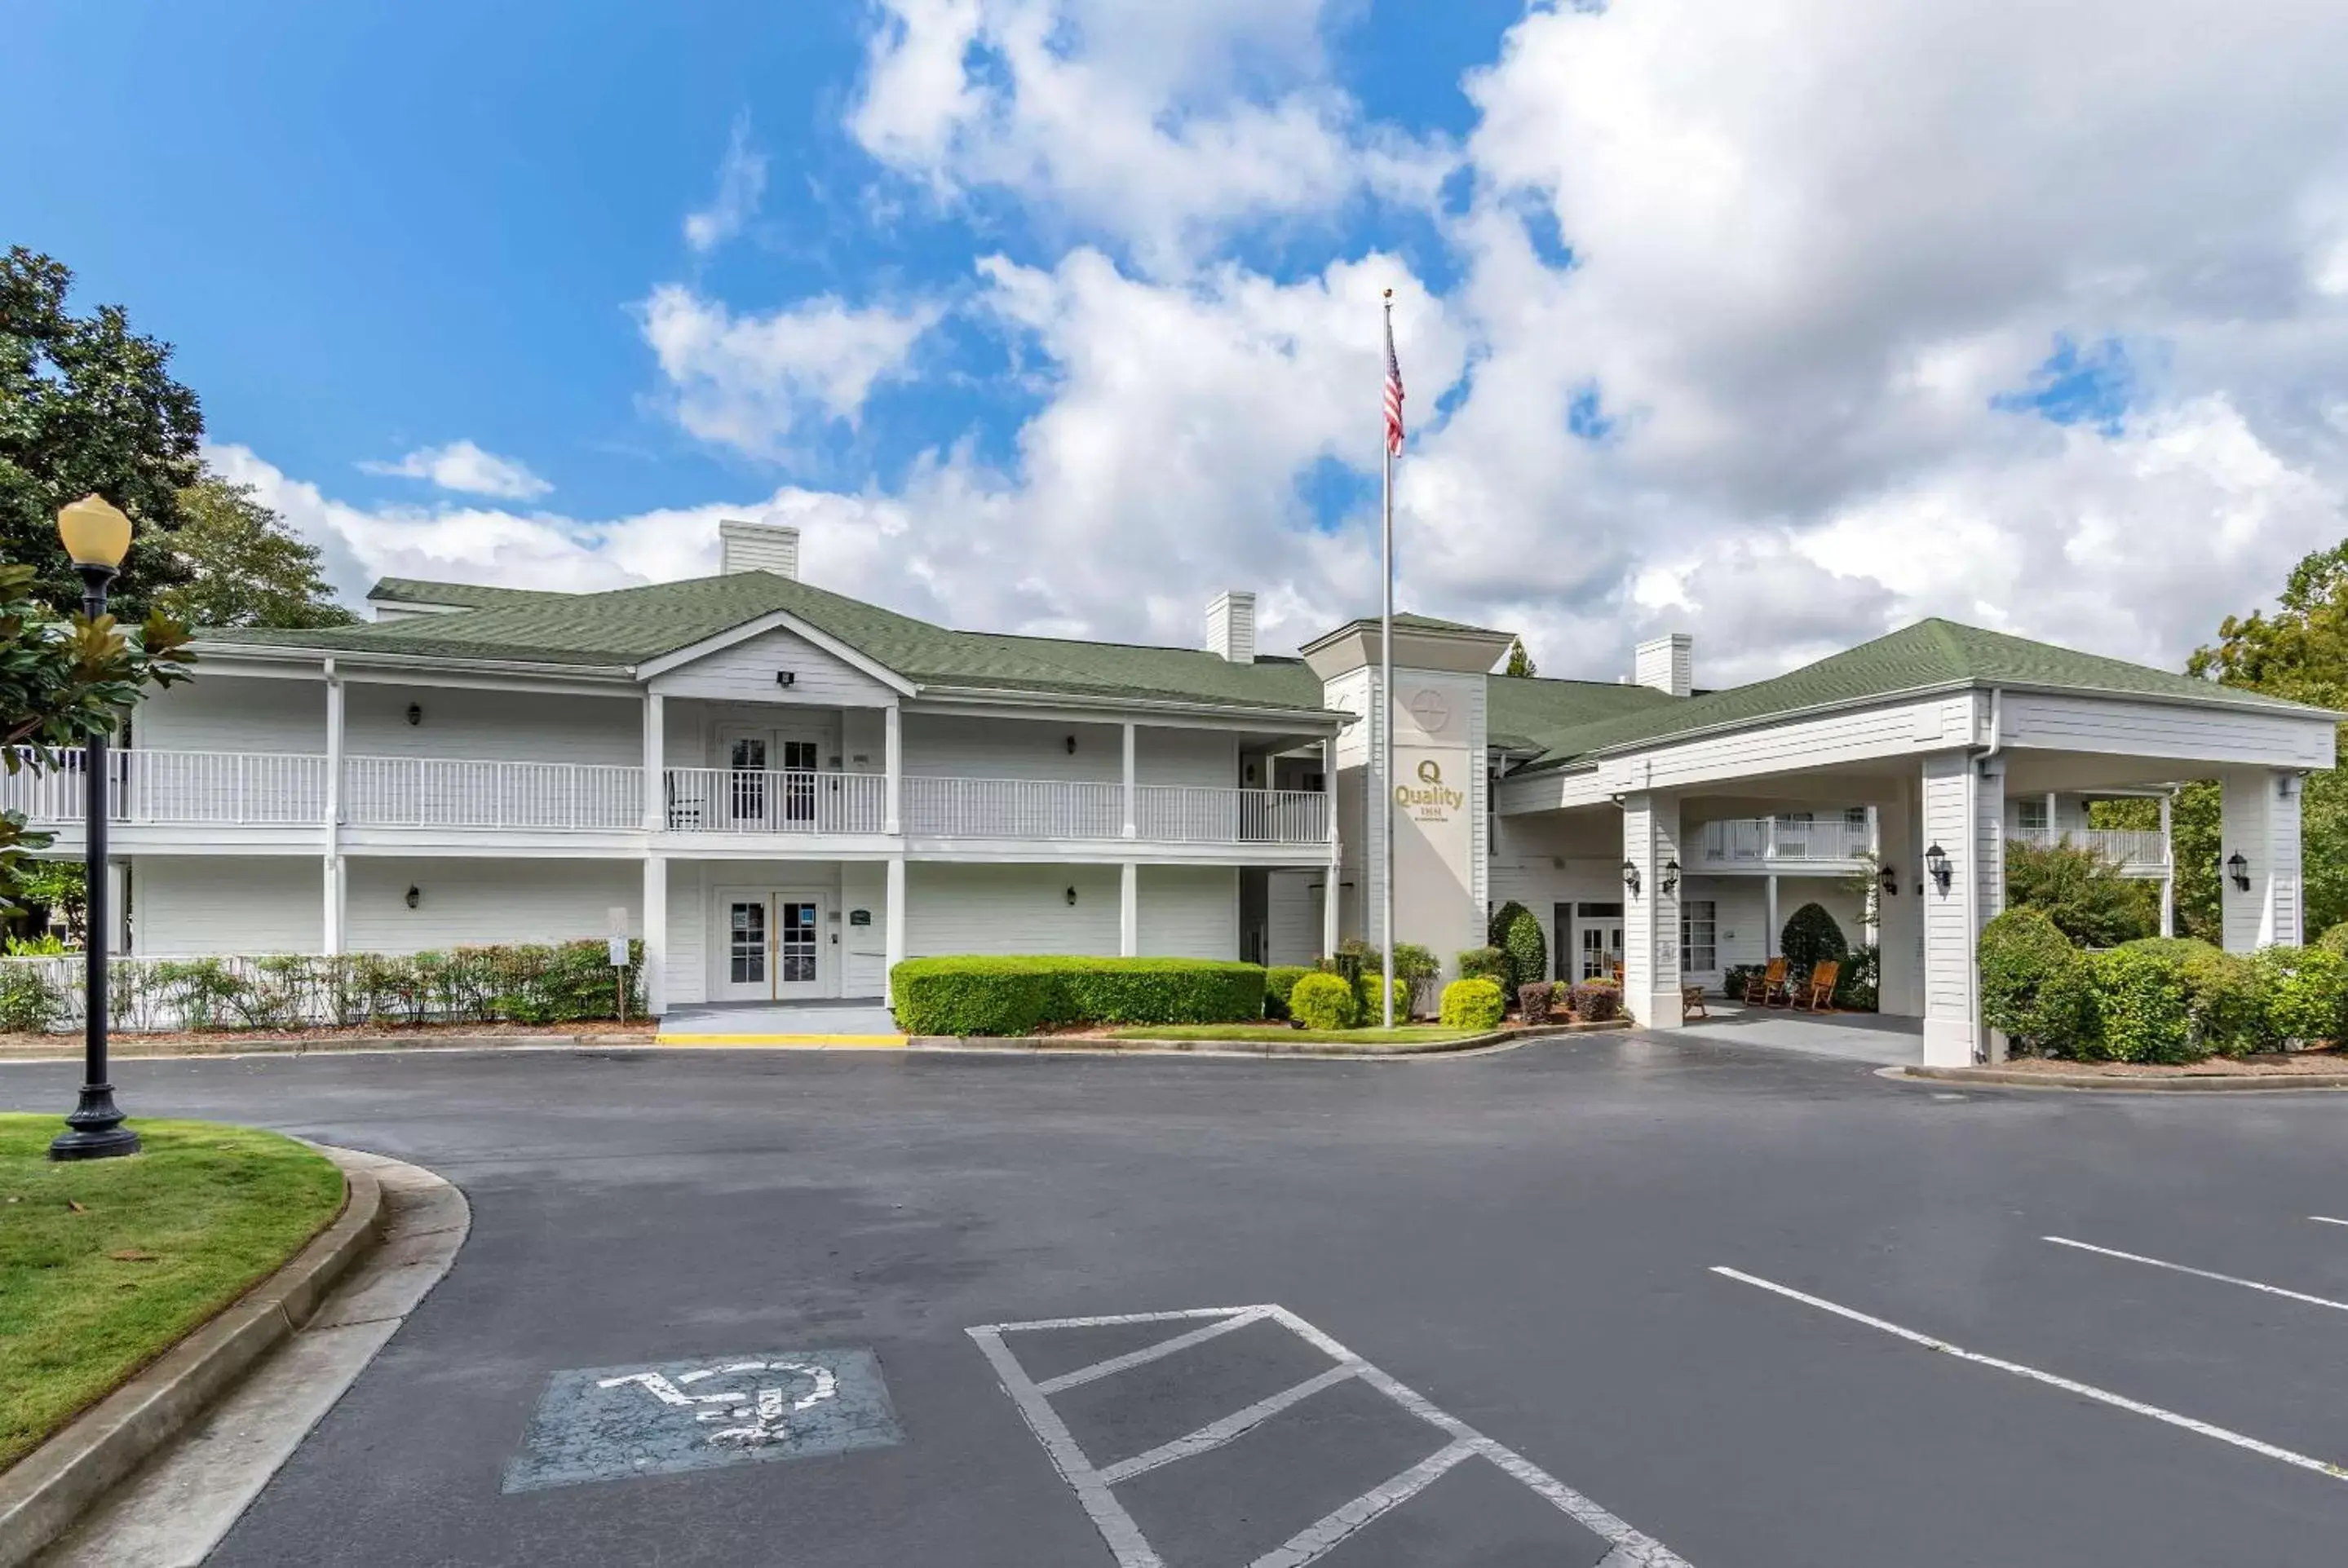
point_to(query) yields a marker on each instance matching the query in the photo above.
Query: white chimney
(1665, 664)
(758, 547)
(1230, 626)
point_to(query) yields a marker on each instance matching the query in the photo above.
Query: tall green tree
(2301, 652)
(244, 566)
(1519, 662)
(87, 405)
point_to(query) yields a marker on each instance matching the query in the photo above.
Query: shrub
(47, 944)
(29, 1004)
(1857, 986)
(2083, 893)
(1414, 963)
(2225, 999)
(1368, 1009)
(1322, 1001)
(1472, 1004)
(2306, 993)
(1533, 1000)
(1484, 964)
(1527, 948)
(1595, 1001)
(1277, 983)
(2141, 1012)
(1495, 929)
(2034, 983)
(1733, 979)
(2334, 940)
(1811, 937)
(1018, 995)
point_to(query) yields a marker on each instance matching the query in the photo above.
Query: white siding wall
(1962, 811)
(491, 727)
(745, 674)
(226, 714)
(1010, 909)
(688, 928)
(950, 745)
(469, 902)
(1190, 912)
(865, 953)
(184, 906)
(1291, 915)
(1206, 758)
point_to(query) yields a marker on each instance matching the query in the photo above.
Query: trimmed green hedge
(2140, 1004)
(1278, 981)
(2306, 993)
(1485, 964)
(1322, 1002)
(2034, 983)
(1472, 1004)
(1370, 1011)
(1019, 994)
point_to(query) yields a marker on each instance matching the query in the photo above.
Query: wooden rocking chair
(1761, 989)
(1818, 991)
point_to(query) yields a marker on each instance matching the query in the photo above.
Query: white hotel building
(786, 790)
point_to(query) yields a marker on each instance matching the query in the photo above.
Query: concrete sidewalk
(1850, 1036)
(848, 1022)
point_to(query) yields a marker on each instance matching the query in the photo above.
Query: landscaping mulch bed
(2264, 1065)
(226, 1041)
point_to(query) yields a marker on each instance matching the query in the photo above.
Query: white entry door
(775, 946)
(1598, 941)
(770, 780)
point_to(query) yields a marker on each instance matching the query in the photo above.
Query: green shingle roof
(1930, 655)
(472, 595)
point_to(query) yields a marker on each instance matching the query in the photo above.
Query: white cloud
(741, 183)
(753, 382)
(1160, 128)
(462, 466)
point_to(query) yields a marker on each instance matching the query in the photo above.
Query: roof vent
(1230, 626)
(758, 547)
(1665, 664)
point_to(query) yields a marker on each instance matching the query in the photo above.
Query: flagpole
(1386, 705)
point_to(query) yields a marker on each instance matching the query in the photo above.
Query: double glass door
(1595, 947)
(774, 945)
(770, 780)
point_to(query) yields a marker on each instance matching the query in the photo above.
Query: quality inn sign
(1432, 800)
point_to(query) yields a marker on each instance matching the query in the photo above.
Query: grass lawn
(106, 1264)
(1411, 1032)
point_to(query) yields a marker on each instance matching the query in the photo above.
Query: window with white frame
(1699, 935)
(2030, 815)
(1854, 817)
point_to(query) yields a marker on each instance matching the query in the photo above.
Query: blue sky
(1061, 314)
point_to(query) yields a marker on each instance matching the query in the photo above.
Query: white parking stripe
(2327, 1220)
(1147, 1354)
(2085, 1390)
(2198, 1273)
(1126, 1542)
(1318, 1538)
(1114, 1318)
(1215, 1434)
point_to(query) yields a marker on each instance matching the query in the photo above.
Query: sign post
(617, 916)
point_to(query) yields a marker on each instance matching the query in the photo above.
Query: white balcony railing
(2121, 847)
(744, 800)
(262, 789)
(440, 792)
(229, 788)
(1766, 840)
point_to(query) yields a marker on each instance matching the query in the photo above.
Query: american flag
(1394, 392)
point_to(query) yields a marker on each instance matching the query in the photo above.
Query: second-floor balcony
(1762, 843)
(2130, 849)
(233, 790)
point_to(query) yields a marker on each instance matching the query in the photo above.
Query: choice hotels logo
(1433, 799)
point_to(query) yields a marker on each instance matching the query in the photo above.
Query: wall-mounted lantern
(414, 896)
(2239, 869)
(1631, 876)
(1671, 876)
(1889, 879)
(414, 714)
(1072, 896)
(1936, 864)
(1072, 745)
(787, 678)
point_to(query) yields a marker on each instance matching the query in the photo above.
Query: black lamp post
(96, 537)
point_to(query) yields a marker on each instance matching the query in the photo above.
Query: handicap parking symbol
(608, 1423)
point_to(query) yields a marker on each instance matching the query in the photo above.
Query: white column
(336, 924)
(1129, 784)
(892, 922)
(1899, 931)
(655, 766)
(655, 934)
(1129, 911)
(333, 924)
(892, 742)
(2053, 828)
(1330, 912)
(2258, 821)
(1650, 916)
(2168, 876)
(1962, 813)
(1769, 912)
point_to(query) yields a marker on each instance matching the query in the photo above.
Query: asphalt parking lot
(1617, 1299)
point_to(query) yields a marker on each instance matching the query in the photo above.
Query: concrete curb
(2006, 1078)
(231, 1045)
(1082, 1045)
(46, 1491)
